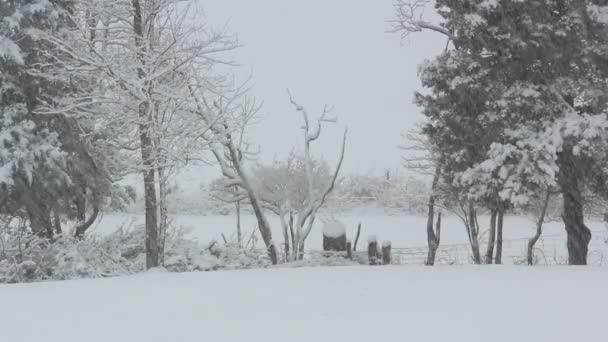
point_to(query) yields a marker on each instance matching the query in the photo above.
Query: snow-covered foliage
(27, 258)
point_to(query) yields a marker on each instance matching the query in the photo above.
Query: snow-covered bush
(31, 259)
(65, 258)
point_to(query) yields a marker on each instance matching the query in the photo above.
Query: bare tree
(222, 114)
(312, 132)
(422, 158)
(409, 18)
(142, 58)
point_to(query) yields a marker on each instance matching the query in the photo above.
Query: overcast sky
(336, 52)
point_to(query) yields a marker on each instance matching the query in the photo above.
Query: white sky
(328, 51)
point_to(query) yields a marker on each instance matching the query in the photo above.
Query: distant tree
(283, 186)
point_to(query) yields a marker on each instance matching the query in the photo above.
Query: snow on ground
(393, 303)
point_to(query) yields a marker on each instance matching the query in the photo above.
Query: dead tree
(307, 216)
(422, 158)
(229, 156)
(409, 20)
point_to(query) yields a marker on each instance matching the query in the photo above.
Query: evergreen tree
(521, 103)
(45, 164)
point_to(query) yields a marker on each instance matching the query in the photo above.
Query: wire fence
(549, 250)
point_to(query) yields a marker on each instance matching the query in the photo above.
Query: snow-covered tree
(143, 58)
(314, 200)
(47, 164)
(283, 186)
(529, 77)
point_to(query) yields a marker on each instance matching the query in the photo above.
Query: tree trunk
(57, 222)
(285, 236)
(434, 245)
(147, 149)
(491, 237)
(474, 233)
(82, 227)
(163, 224)
(81, 209)
(263, 225)
(40, 219)
(239, 233)
(579, 235)
(349, 250)
(301, 250)
(539, 229)
(499, 224)
(431, 239)
(292, 235)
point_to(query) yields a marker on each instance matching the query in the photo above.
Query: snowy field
(404, 231)
(392, 303)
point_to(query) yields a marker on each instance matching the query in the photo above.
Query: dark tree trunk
(432, 254)
(85, 225)
(499, 226)
(239, 233)
(357, 237)
(81, 208)
(151, 219)
(292, 235)
(349, 250)
(579, 235)
(163, 225)
(263, 225)
(491, 237)
(57, 222)
(539, 229)
(432, 239)
(40, 219)
(473, 229)
(285, 238)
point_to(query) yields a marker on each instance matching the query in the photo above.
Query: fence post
(349, 250)
(372, 250)
(386, 252)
